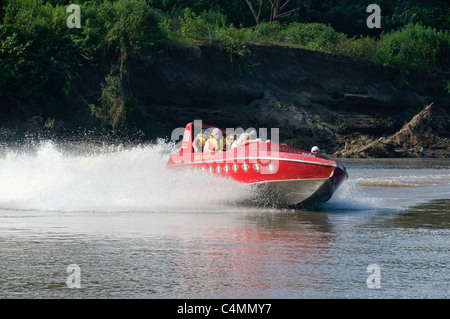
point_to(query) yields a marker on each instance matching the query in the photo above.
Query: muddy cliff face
(339, 103)
(342, 104)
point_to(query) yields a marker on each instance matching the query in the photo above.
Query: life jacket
(202, 139)
(214, 146)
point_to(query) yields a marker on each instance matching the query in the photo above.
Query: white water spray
(89, 177)
(108, 179)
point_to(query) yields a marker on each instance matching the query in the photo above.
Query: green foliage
(314, 36)
(267, 32)
(32, 69)
(131, 29)
(432, 13)
(416, 45)
(131, 26)
(112, 111)
(235, 11)
(362, 46)
(401, 79)
(117, 108)
(413, 45)
(342, 128)
(31, 18)
(235, 40)
(212, 27)
(349, 16)
(40, 56)
(203, 26)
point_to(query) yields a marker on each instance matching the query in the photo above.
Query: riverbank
(313, 97)
(349, 106)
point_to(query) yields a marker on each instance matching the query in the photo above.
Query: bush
(40, 55)
(268, 32)
(315, 36)
(112, 111)
(37, 57)
(201, 27)
(235, 40)
(412, 45)
(28, 17)
(363, 47)
(131, 27)
(416, 45)
(210, 26)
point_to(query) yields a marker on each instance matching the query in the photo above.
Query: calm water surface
(137, 232)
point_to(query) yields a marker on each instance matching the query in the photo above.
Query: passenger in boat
(253, 136)
(315, 150)
(236, 142)
(247, 138)
(200, 141)
(216, 143)
(230, 140)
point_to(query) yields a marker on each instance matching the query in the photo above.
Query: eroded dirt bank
(348, 106)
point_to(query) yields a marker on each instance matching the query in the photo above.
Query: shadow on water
(432, 214)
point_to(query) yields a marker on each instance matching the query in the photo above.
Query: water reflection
(238, 254)
(397, 163)
(299, 254)
(265, 255)
(129, 246)
(432, 214)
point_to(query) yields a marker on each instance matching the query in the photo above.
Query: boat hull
(282, 178)
(300, 192)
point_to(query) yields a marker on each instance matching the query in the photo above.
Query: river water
(102, 221)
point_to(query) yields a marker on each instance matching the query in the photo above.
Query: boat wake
(389, 190)
(351, 197)
(82, 177)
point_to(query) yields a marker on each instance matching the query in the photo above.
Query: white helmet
(216, 131)
(315, 149)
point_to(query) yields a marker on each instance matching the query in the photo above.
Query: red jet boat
(282, 175)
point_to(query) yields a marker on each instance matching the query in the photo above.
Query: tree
(131, 29)
(256, 15)
(277, 9)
